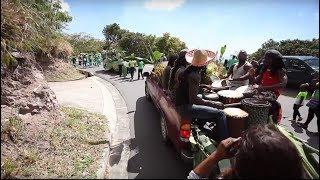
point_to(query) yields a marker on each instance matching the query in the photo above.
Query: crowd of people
(129, 66)
(183, 80)
(86, 59)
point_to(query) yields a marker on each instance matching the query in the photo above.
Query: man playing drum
(186, 99)
(239, 72)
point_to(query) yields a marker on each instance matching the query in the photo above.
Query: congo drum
(236, 119)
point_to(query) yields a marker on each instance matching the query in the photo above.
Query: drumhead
(211, 96)
(242, 89)
(235, 112)
(230, 94)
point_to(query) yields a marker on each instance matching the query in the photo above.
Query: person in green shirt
(74, 59)
(299, 102)
(90, 59)
(140, 68)
(313, 105)
(98, 59)
(132, 68)
(125, 69)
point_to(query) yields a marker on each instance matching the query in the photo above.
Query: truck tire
(146, 90)
(164, 130)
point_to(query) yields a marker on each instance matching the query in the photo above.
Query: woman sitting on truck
(261, 153)
(189, 105)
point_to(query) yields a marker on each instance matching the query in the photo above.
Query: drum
(229, 96)
(236, 119)
(247, 91)
(258, 110)
(211, 96)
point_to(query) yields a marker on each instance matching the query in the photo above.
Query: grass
(71, 148)
(12, 128)
(63, 74)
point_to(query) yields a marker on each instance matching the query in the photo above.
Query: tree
(140, 44)
(290, 47)
(84, 43)
(30, 26)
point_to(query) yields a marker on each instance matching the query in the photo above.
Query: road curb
(119, 152)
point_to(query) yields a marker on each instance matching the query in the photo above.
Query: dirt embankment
(58, 70)
(36, 139)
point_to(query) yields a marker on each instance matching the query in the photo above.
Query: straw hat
(198, 57)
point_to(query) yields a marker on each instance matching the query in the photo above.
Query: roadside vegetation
(288, 47)
(69, 148)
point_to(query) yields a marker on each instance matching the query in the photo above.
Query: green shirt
(140, 65)
(301, 95)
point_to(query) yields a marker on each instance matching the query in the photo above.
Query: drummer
(272, 78)
(239, 73)
(186, 99)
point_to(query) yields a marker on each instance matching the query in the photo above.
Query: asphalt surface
(150, 157)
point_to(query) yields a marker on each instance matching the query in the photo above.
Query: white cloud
(64, 6)
(163, 4)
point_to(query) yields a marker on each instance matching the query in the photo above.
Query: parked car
(301, 69)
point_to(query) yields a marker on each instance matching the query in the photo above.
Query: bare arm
(194, 82)
(206, 166)
(246, 75)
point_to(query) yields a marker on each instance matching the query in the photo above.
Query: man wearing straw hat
(188, 103)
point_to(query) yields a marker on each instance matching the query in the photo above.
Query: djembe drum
(211, 96)
(258, 110)
(248, 91)
(229, 96)
(236, 119)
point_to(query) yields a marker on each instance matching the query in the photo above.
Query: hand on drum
(218, 105)
(259, 88)
(227, 148)
(252, 72)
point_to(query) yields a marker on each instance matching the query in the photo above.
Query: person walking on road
(132, 65)
(74, 59)
(80, 59)
(85, 60)
(313, 105)
(120, 65)
(125, 69)
(302, 95)
(140, 68)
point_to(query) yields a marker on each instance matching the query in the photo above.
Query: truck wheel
(146, 90)
(164, 130)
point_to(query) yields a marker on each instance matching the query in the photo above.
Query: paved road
(150, 157)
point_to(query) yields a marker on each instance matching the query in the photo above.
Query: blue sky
(206, 24)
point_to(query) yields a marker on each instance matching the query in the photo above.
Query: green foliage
(156, 56)
(30, 25)
(289, 47)
(140, 44)
(83, 43)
